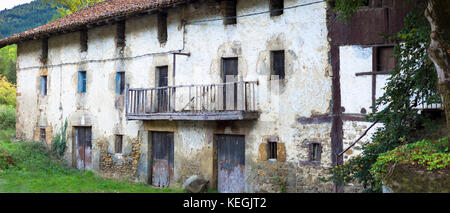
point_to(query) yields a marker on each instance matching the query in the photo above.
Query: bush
(7, 92)
(426, 154)
(7, 117)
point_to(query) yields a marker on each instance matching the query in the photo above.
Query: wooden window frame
(315, 152)
(272, 150)
(44, 85)
(82, 81)
(120, 82)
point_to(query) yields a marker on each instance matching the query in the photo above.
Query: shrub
(7, 92)
(426, 154)
(7, 117)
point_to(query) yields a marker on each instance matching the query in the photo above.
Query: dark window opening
(385, 60)
(44, 55)
(315, 150)
(118, 143)
(120, 83)
(82, 81)
(162, 27)
(42, 136)
(277, 63)
(229, 11)
(83, 40)
(43, 85)
(272, 152)
(276, 7)
(120, 42)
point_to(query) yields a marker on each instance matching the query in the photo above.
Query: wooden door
(230, 74)
(84, 148)
(231, 163)
(162, 94)
(162, 158)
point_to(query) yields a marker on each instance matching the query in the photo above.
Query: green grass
(30, 167)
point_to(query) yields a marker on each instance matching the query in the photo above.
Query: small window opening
(229, 11)
(277, 63)
(118, 143)
(120, 83)
(276, 7)
(120, 42)
(162, 27)
(44, 85)
(385, 60)
(82, 81)
(44, 55)
(83, 40)
(42, 136)
(315, 150)
(272, 150)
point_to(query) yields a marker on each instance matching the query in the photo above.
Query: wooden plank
(231, 163)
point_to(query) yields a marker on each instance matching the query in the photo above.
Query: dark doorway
(230, 74)
(162, 81)
(162, 158)
(231, 163)
(83, 147)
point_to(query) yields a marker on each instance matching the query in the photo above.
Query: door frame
(74, 145)
(150, 156)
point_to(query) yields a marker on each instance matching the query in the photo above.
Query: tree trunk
(438, 14)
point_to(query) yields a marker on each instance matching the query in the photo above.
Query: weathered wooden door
(84, 148)
(162, 158)
(231, 163)
(230, 74)
(162, 94)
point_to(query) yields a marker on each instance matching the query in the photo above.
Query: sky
(8, 4)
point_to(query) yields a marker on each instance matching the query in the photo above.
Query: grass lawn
(29, 167)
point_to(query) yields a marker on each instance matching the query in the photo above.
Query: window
(229, 11)
(42, 135)
(276, 7)
(272, 151)
(120, 83)
(43, 85)
(120, 40)
(385, 60)
(118, 143)
(162, 27)
(44, 55)
(315, 150)
(83, 40)
(82, 82)
(277, 63)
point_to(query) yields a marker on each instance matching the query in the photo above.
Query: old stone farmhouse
(252, 95)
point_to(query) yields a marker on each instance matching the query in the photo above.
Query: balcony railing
(223, 101)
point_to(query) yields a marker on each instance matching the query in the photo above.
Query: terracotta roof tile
(92, 14)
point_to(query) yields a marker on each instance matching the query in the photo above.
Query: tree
(438, 15)
(67, 7)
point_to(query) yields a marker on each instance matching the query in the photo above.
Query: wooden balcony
(224, 101)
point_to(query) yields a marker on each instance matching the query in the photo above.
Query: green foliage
(346, 8)
(8, 58)
(427, 154)
(7, 117)
(7, 92)
(31, 168)
(67, 7)
(412, 83)
(60, 141)
(24, 17)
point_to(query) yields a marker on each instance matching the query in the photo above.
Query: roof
(90, 15)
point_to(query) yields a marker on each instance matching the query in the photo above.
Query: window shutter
(80, 82)
(118, 82)
(42, 85)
